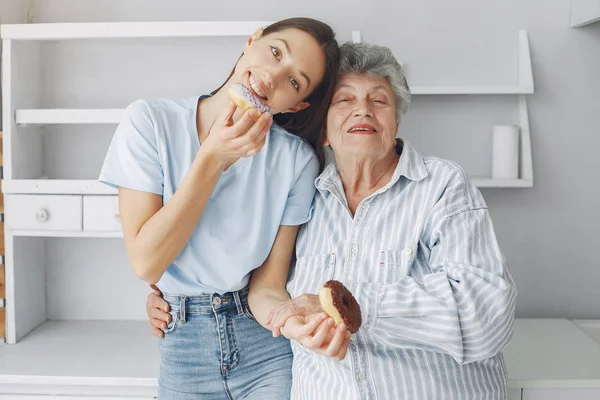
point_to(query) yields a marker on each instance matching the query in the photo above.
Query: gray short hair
(374, 60)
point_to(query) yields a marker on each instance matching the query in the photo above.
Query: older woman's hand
(317, 332)
(303, 305)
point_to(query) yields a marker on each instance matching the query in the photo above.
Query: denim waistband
(209, 303)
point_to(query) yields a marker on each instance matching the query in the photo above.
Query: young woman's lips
(256, 87)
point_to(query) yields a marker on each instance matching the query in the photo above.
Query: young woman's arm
(155, 235)
(267, 283)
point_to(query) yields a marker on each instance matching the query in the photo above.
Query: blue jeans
(214, 349)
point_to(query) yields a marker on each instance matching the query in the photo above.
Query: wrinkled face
(283, 68)
(362, 117)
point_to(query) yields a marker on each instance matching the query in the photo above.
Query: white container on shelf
(505, 152)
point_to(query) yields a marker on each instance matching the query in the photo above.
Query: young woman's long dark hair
(308, 123)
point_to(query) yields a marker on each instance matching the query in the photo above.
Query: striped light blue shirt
(437, 300)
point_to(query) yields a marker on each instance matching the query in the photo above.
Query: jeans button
(216, 301)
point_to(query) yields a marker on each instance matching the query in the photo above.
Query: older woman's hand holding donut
(318, 333)
(322, 323)
(302, 305)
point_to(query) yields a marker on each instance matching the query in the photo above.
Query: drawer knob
(42, 215)
(117, 216)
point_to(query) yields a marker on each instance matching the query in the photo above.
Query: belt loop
(182, 309)
(238, 302)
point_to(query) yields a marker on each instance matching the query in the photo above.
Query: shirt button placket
(354, 252)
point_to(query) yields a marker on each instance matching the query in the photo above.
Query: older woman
(412, 238)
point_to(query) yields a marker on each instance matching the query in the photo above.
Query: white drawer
(101, 213)
(43, 212)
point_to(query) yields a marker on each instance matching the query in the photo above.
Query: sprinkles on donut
(245, 99)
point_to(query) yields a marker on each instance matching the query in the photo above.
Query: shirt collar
(410, 165)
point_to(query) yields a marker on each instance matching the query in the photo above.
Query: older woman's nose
(363, 108)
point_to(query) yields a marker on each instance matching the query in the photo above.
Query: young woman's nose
(267, 78)
(278, 75)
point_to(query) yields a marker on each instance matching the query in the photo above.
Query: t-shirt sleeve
(298, 208)
(132, 160)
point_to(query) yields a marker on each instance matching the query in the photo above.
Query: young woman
(209, 194)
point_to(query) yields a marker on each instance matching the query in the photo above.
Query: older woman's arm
(465, 306)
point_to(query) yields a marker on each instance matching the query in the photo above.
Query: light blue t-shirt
(152, 150)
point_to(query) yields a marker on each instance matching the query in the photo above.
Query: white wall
(13, 11)
(549, 232)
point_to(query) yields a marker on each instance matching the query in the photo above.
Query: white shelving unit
(48, 117)
(75, 312)
(584, 12)
(76, 322)
(525, 87)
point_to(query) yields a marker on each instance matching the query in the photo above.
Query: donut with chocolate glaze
(245, 99)
(339, 303)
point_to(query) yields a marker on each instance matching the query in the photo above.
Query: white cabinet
(43, 212)
(562, 394)
(101, 213)
(552, 359)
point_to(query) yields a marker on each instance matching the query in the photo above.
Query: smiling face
(362, 117)
(282, 68)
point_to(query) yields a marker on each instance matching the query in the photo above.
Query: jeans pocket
(247, 312)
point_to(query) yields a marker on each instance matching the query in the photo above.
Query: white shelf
(590, 328)
(120, 30)
(502, 183)
(584, 12)
(67, 234)
(68, 116)
(552, 353)
(466, 90)
(91, 186)
(117, 358)
(524, 86)
(56, 186)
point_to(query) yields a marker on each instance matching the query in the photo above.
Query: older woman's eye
(276, 53)
(295, 84)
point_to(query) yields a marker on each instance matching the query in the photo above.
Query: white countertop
(552, 353)
(543, 353)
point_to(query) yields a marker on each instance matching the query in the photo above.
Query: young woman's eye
(295, 84)
(276, 53)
